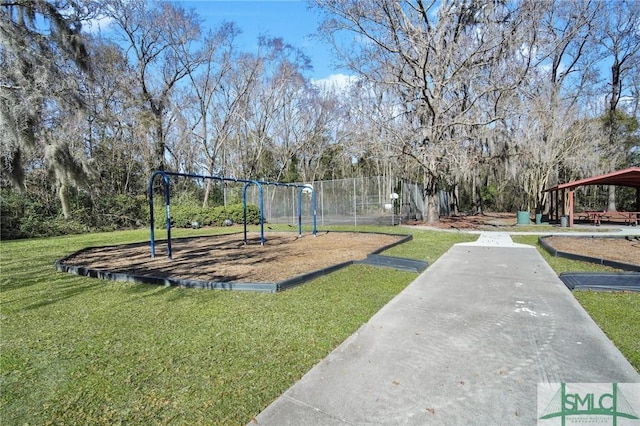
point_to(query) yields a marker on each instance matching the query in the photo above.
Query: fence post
(322, 203)
(355, 205)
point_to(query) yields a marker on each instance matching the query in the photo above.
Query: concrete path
(465, 344)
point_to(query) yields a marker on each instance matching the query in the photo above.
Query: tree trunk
(456, 199)
(64, 201)
(159, 144)
(474, 196)
(431, 204)
(209, 187)
(611, 204)
(431, 201)
(207, 191)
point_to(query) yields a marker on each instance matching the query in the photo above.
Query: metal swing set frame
(247, 183)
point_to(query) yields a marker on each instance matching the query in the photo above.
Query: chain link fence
(358, 201)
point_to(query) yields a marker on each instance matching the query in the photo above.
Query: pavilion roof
(627, 177)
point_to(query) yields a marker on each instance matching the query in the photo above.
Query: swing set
(247, 183)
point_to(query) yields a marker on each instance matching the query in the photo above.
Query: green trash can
(538, 218)
(523, 218)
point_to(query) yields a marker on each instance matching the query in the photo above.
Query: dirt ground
(225, 258)
(484, 222)
(625, 250)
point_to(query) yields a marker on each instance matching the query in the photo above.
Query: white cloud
(335, 82)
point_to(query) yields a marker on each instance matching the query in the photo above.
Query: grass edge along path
(616, 313)
(76, 350)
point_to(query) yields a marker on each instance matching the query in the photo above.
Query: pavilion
(561, 196)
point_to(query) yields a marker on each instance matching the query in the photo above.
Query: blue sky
(291, 20)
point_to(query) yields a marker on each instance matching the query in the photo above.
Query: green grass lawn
(616, 313)
(77, 350)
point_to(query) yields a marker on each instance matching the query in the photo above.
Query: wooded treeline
(490, 100)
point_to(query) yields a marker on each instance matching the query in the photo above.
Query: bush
(34, 227)
(183, 215)
(30, 216)
(235, 213)
(123, 211)
(489, 194)
(34, 215)
(12, 209)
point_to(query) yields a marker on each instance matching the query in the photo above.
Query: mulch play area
(617, 249)
(226, 259)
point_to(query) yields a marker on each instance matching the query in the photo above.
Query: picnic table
(595, 217)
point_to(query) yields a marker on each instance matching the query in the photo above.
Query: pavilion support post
(571, 208)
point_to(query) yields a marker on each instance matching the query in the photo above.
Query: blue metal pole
(167, 194)
(167, 203)
(151, 224)
(300, 211)
(244, 210)
(261, 213)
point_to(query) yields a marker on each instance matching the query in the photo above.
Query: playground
(235, 261)
(225, 258)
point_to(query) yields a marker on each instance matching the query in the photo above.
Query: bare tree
(562, 76)
(620, 38)
(298, 134)
(112, 131)
(317, 114)
(339, 130)
(433, 55)
(161, 43)
(634, 89)
(248, 133)
(211, 105)
(269, 77)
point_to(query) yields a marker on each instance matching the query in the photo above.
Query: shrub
(30, 216)
(235, 213)
(489, 194)
(183, 215)
(124, 211)
(33, 215)
(11, 212)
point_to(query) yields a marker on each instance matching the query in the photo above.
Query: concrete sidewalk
(466, 343)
